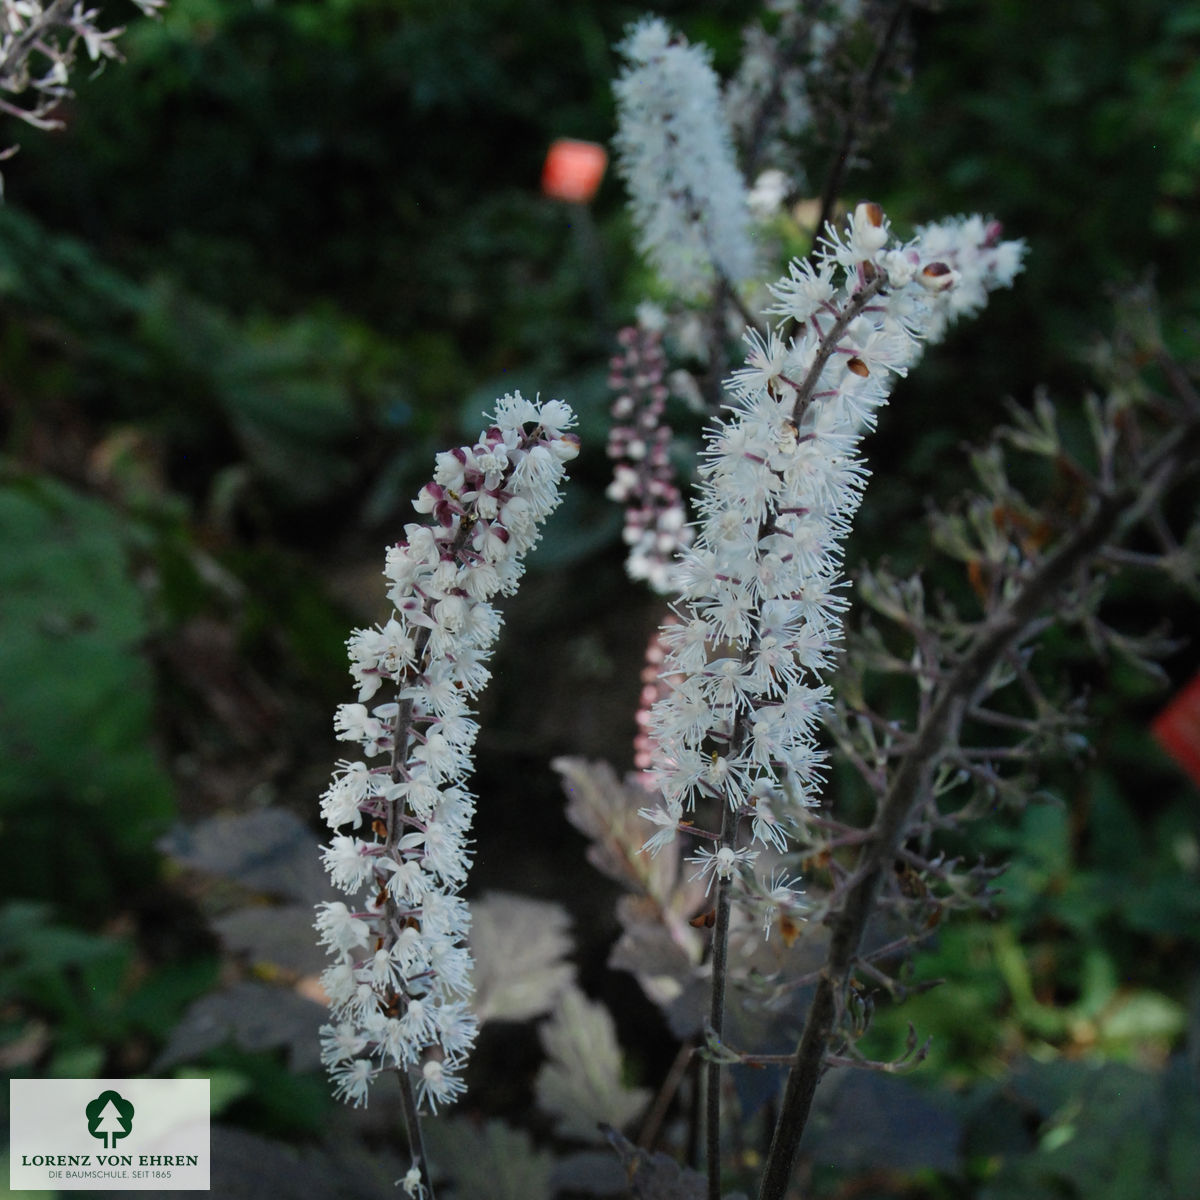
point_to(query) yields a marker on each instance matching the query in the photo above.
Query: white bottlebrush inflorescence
(760, 614)
(400, 981)
(675, 153)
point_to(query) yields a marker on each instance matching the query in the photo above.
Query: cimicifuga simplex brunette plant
(792, 914)
(759, 918)
(743, 658)
(400, 983)
(759, 615)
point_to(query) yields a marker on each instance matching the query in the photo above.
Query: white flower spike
(400, 978)
(675, 153)
(763, 592)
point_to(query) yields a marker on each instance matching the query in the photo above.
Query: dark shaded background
(285, 253)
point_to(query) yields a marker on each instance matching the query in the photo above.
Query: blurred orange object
(1177, 729)
(573, 170)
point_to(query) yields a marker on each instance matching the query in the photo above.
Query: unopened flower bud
(516, 514)
(869, 227)
(937, 277)
(450, 613)
(565, 447)
(451, 468)
(870, 212)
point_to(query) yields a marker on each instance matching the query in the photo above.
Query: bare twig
(840, 163)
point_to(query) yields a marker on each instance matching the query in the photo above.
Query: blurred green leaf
(1103, 1134)
(271, 1097)
(77, 762)
(76, 1062)
(224, 1086)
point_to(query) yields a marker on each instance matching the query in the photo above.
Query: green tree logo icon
(109, 1117)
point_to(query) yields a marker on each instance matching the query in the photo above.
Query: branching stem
(829, 342)
(1113, 510)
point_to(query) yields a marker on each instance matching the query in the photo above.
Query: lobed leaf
(519, 946)
(580, 1085)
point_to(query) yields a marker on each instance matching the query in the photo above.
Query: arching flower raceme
(675, 153)
(763, 595)
(400, 978)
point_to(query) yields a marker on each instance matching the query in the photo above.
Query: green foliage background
(289, 249)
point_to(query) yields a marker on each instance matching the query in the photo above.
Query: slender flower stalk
(763, 593)
(400, 982)
(675, 153)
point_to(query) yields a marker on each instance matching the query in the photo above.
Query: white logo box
(108, 1134)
